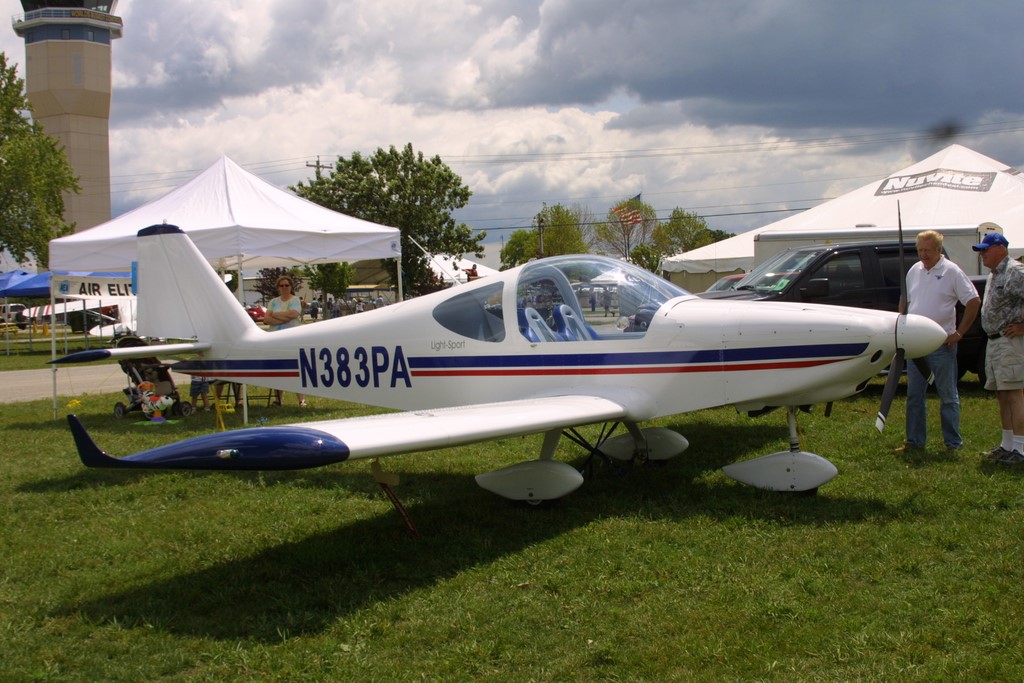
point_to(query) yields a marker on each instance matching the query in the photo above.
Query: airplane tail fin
(180, 295)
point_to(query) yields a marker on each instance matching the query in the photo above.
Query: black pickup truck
(862, 274)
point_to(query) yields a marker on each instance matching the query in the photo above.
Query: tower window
(65, 34)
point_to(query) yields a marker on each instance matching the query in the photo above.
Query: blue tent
(37, 285)
(11, 278)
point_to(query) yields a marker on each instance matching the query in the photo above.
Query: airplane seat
(537, 327)
(570, 325)
(524, 326)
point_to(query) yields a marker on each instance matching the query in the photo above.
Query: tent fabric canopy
(12, 278)
(230, 213)
(955, 186)
(37, 285)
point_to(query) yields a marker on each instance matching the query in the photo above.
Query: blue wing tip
(81, 357)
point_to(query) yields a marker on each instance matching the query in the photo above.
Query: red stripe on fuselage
(243, 373)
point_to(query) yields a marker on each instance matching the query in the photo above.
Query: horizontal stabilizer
(261, 448)
(94, 355)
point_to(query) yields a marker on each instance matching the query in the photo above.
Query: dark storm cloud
(783, 64)
(179, 58)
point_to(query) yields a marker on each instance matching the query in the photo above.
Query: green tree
(329, 278)
(405, 190)
(683, 231)
(34, 174)
(520, 248)
(562, 228)
(646, 256)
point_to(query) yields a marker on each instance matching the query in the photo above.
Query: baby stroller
(148, 369)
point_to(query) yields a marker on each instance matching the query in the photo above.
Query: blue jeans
(942, 363)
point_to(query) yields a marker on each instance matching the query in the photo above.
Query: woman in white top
(284, 311)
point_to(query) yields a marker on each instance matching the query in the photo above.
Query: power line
(152, 182)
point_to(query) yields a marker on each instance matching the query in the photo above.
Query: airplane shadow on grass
(304, 586)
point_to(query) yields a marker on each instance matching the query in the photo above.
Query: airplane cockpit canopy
(559, 299)
(588, 298)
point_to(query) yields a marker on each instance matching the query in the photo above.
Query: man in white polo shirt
(934, 286)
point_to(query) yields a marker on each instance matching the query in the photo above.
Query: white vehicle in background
(10, 312)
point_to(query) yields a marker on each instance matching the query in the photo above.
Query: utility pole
(540, 234)
(318, 166)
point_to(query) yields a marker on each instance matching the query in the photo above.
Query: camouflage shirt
(1004, 297)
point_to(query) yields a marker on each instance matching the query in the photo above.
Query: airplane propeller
(899, 360)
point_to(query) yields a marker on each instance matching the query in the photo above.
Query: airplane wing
(312, 444)
(93, 355)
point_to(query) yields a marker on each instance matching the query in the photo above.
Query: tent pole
(401, 296)
(53, 346)
(239, 290)
(7, 328)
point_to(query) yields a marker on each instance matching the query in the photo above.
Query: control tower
(67, 79)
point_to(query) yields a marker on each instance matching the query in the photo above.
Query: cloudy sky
(739, 110)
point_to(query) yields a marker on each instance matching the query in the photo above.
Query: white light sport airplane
(511, 354)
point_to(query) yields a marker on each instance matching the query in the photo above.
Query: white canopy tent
(954, 186)
(237, 220)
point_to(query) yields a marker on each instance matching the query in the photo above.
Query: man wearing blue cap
(1002, 318)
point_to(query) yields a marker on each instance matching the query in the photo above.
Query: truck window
(889, 262)
(775, 274)
(845, 273)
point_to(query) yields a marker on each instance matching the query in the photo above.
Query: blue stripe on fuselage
(289, 367)
(768, 353)
(283, 365)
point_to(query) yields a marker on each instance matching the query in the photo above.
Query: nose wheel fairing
(794, 470)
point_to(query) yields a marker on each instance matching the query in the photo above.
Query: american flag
(628, 217)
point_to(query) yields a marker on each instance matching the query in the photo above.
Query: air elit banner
(90, 286)
(967, 181)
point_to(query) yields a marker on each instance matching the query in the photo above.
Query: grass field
(898, 570)
(21, 353)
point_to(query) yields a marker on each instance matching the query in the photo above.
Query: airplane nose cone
(918, 335)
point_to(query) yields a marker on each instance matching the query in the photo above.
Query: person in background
(934, 286)
(199, 387)
(284, 311)
(1002, 318)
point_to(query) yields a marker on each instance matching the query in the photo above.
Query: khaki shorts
(1004, 364)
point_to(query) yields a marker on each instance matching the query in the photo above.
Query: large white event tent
(238, 221)
(955, 186)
